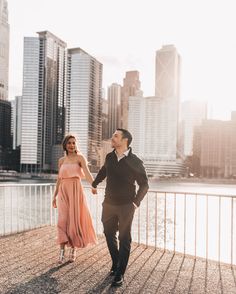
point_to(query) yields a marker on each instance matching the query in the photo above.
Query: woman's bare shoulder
(81, 157)
(61, 160)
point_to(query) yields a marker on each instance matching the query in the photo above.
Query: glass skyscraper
(114, 98)
(4, 50)
(167, 93)
(154, 120)
(131, 87)
(84, 103)
(43, 101)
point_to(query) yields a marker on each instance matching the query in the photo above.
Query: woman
(75, 227)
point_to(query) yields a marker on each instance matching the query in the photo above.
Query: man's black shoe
(112, 272)
(118, 280)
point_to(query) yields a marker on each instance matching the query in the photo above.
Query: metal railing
(201, 225)
(25, 206)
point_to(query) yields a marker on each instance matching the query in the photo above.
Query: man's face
(117, 140)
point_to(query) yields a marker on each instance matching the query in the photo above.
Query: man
(122, 169)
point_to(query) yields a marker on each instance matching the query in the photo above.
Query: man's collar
(126, 153)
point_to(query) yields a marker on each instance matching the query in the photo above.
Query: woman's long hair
(65, 141)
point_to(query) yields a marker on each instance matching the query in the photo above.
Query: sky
(125, 35)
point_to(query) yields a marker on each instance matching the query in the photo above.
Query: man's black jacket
(121, 177)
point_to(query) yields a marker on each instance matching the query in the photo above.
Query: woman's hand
(54, 202)
(94, 190)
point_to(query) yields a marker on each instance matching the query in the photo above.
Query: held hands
(135, 206)
(54, 202)
(94, 190)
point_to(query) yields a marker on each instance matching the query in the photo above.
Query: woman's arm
(57, 184)
(85, 168)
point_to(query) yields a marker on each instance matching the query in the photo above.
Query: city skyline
(133, 36)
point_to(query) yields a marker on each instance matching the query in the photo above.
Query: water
(170, 186)
(157, 222)
(195, 187)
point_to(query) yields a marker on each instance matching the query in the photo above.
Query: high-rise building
(146, 116)
(5, 125)
(131, 87)
(84, 103)
(43, 101)
(4, 50)
(154, 120)
(105, 134)
(16, 121)
(191, 115)
(167, 72)
(136, 123)
(217, 150)
(114, 96)
(167, 92)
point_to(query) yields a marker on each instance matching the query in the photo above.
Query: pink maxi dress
(75, 225)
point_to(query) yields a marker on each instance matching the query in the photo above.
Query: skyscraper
(105, 135)
(131, 87)
(191, 115)
(4, 50)
(167, 72)
(43, 101)
(16, 121)
(136, 123)
(167, 93)
(5, 125)
(114, 96)
(84, 103)
(217, 152)
(154, 120)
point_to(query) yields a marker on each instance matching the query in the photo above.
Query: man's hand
(94, 190)
(135, 206)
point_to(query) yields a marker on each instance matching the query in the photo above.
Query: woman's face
(71, 145)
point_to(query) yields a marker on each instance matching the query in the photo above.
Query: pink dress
(75, 225)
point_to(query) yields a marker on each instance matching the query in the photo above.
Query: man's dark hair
(126, 135)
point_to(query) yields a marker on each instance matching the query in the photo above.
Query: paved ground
(28, 264)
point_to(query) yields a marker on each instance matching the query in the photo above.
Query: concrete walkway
(28, 264)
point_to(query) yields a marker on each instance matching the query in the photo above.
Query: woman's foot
(72, 256)
(61, 256)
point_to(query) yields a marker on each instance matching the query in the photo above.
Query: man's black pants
(118, 218)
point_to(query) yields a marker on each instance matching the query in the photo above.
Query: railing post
(51, 208)
(30, 212)
(174, 221)
(195, 243)
(139, 226)
(206, 227)
(155, 220)
(11, 212)
(219, 231)
(165, 223)
(17, 210)
(41, 209)
(35, 206)
(55, 211)
(147, 222)
(4, 215)
(232, 230)
(97, 214)
(184, 223)
(24, 207)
